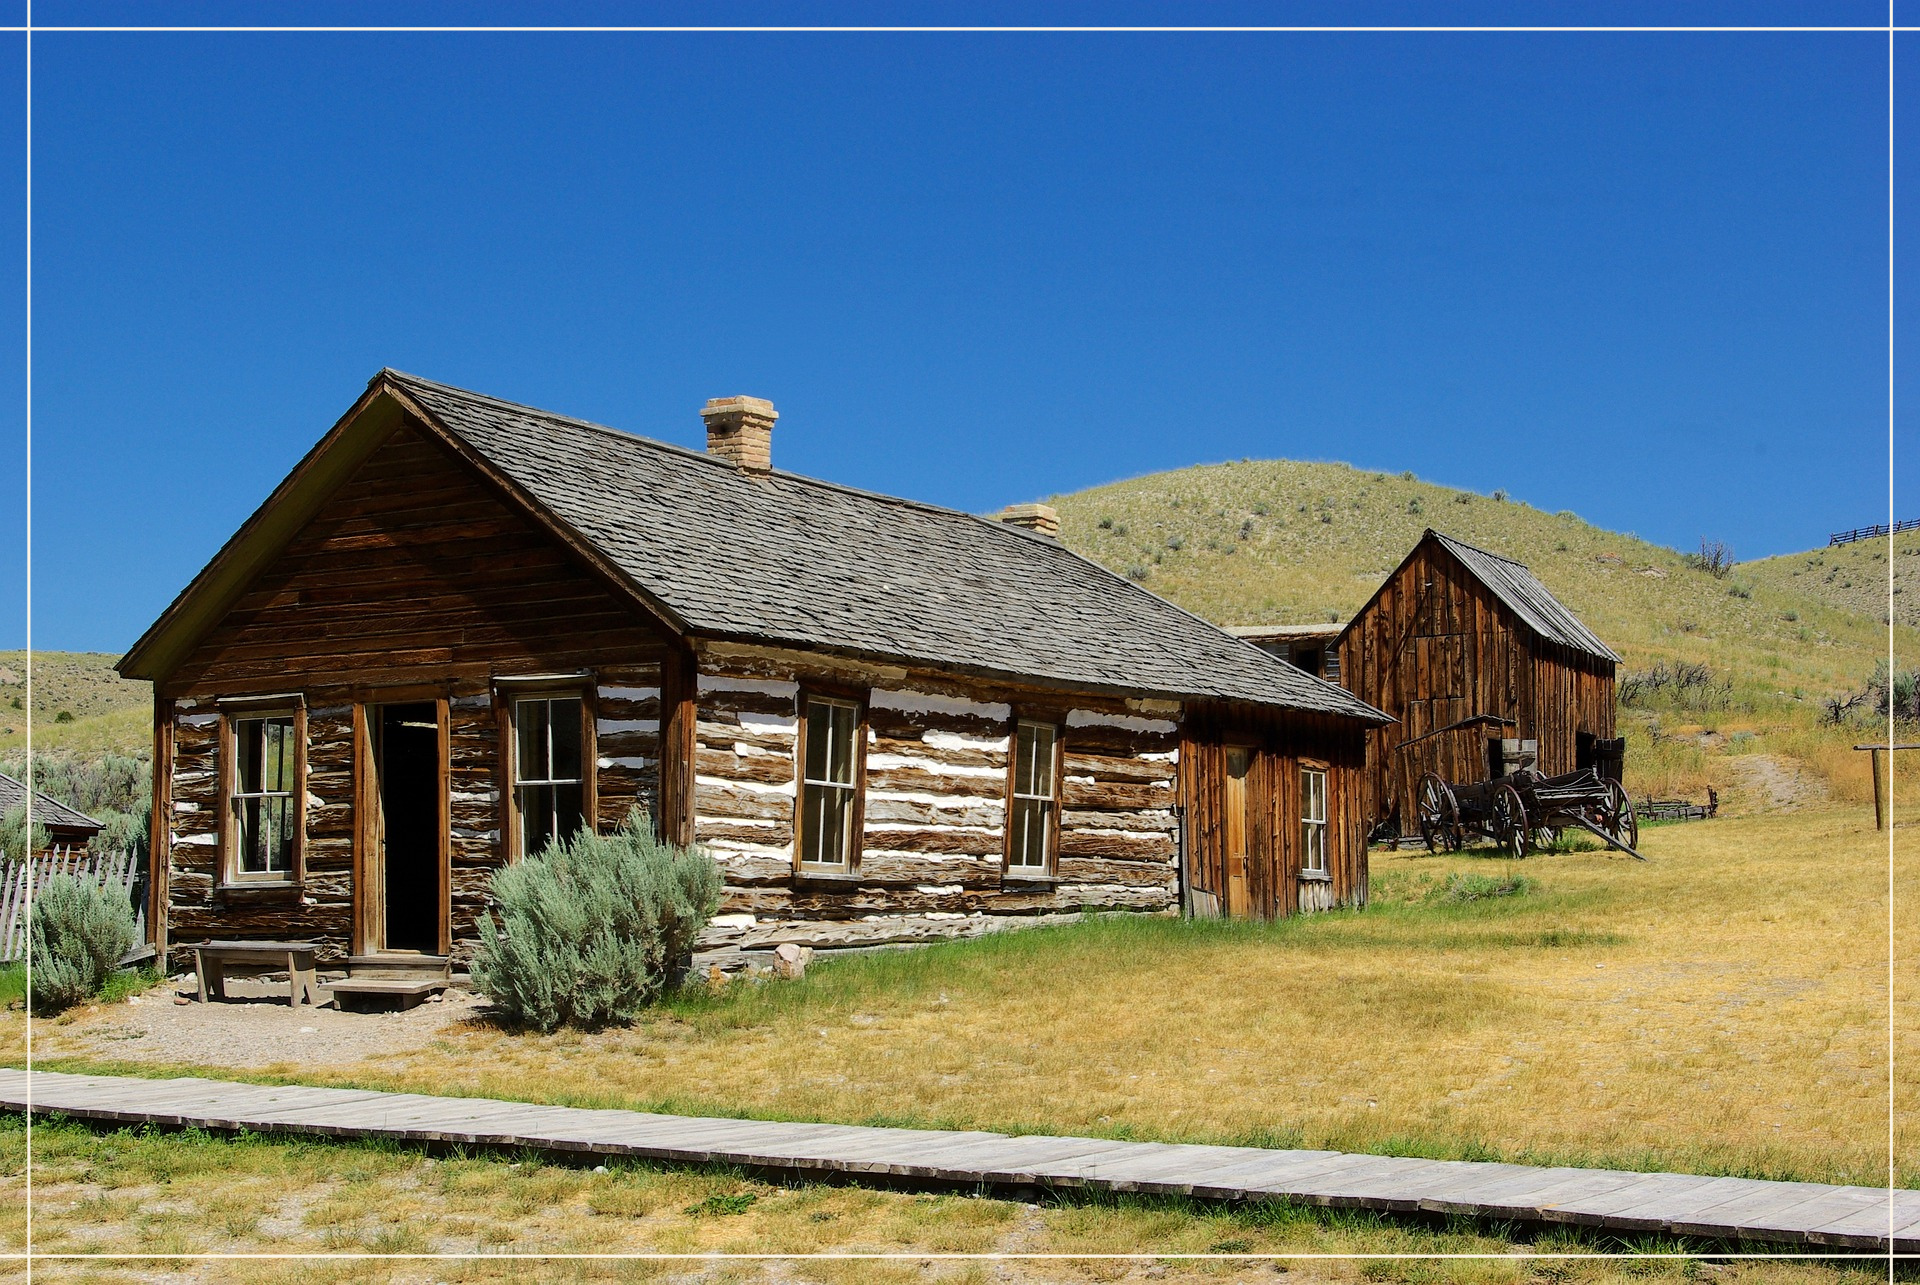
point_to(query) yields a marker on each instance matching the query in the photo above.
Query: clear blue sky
(1641, 277)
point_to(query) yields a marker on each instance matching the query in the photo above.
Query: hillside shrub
(14, 840)
(589, 928)
(1715, 558)
(114, 789)
(80, 931)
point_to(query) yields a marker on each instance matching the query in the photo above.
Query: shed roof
(1522, 591)
(721, 553)
(46, 811)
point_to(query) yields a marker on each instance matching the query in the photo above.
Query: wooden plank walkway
(1811, 1216)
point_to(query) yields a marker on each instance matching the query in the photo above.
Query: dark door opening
(406, 750)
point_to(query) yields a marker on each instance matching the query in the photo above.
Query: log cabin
(66, 827)
(461, 628)
(1480, 665)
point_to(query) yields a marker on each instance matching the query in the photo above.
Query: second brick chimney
(1043, 519)
(740, 431)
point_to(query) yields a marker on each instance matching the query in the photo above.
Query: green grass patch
(1460, 888)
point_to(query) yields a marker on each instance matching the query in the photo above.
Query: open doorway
(405, 745)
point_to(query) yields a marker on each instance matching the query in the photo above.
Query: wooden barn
(1470, 652)
(461, 627)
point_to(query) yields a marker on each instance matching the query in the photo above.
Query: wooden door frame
(1247, 792)
(369, 874)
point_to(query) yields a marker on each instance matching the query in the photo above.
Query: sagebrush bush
(80, 932)
(589, 928)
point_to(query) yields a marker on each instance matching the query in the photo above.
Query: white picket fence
(118, 870)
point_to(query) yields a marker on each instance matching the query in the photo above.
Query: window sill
(259, 890)
(839, 878)
(1315, 876)
(1037, 878)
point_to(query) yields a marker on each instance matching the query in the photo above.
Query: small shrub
(737, 1203)
(1461, 888)
(1327, 519)
(1415, 507)
(1463, 498)
(80, 931)
(1500, 496)
(1740, 590)
(1175, 543)
(64, 716)
(15, 842)
(1715, 558)
(1120, 528)
(1407, 476)
(1106, 524)
(1260, 509)
(1246, 529)
(1560, 546)
(589, 928)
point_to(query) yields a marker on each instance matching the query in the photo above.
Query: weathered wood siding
(1279, 744)
(931, 860)
(414, 581)
(1436, 646)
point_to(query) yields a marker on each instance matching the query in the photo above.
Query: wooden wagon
(1517, 811)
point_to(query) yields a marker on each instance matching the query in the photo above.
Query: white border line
(29, 29)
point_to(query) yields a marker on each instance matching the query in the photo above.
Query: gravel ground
(253, 1029)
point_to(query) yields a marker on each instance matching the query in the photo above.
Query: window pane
(844, 728)
(276, 753)
(530, 717)
(563, 717)
(825, 815)
(536, 818)
(246, 740)
(264, 835)
(568, 810)
(1033, 760)
(819, 739)
(1029, 833)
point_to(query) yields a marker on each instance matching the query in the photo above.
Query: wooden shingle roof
(796, 561)
(1530, 600)
(46, 811)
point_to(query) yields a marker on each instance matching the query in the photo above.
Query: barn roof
(720, 553)
(46, 811)
(1530, 600)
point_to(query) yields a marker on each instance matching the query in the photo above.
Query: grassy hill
(1850, 577)
(1279, 541)
(80, 704)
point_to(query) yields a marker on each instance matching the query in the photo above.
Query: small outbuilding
(1475, 658)
(66, 827)
(1308, 647)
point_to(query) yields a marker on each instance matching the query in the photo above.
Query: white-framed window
(549, 781)
(1313, 820)
(263, 803)
(829, 783)
(1035, 798)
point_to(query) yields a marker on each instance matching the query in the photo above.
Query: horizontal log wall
(932, 856)
(414, 580)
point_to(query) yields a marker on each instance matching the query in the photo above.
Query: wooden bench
(211, 960)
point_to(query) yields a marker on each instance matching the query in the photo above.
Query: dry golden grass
(124, 1192)
(1721, 1008)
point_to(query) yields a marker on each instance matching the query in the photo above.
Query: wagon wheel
(1507, 817)
(1439, 814)
(1617, 817)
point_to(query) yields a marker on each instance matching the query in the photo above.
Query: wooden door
(1236, 830)
(401, 886)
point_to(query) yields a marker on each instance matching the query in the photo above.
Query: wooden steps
(400, 980)
(1811, 1216)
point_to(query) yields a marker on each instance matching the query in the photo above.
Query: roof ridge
(1498, 557)
(692, 454)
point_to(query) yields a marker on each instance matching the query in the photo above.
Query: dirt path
(1773, 785)
(257, 1032)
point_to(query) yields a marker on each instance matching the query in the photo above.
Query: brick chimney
(1042, 519)
(740, 431)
